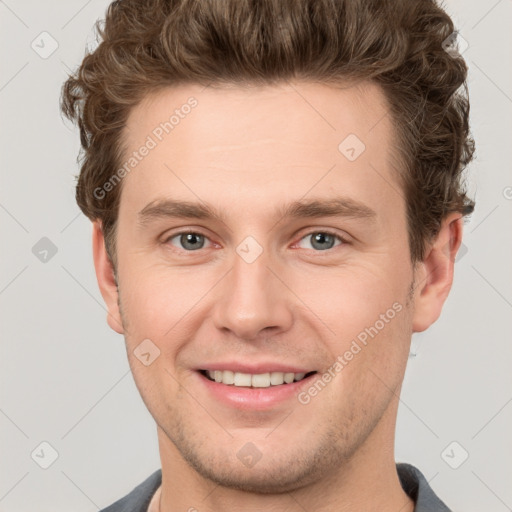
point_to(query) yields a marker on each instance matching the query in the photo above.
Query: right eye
(187, 240)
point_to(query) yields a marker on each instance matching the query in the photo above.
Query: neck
(366, 481)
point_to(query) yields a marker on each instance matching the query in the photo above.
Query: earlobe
(106, 279)
(434, 275)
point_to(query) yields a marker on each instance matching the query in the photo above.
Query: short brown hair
(398, 44)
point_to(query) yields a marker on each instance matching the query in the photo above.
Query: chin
(259, 480)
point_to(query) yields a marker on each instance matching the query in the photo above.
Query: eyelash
(323, 231)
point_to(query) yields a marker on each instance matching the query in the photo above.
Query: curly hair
(398, 44)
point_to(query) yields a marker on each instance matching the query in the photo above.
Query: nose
(251, 301)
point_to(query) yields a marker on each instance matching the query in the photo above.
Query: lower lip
(254, 398)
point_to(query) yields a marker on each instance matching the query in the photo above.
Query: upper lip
(255, 369)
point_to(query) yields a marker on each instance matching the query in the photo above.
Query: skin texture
(247, 152)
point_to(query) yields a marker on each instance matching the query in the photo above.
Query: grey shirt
(412, 480)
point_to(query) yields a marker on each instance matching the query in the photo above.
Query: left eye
(321, 240)
(188, 241)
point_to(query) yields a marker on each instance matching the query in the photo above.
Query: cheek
(147, 293)
(367, 324)
(160, 303)
(351, 298)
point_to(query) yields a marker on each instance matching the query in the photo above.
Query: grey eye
(321, 240)
(188, 241)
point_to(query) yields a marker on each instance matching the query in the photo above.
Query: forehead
(262, 145)
(296, 112)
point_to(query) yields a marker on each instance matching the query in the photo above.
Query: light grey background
(64, 375)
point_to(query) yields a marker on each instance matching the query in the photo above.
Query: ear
(106, 278)
(434, 275)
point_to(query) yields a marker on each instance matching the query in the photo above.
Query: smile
(260, 380)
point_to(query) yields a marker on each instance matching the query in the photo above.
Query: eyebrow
(332, 207)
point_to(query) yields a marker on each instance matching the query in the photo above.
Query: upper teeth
(260, 380)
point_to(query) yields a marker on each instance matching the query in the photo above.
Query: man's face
(259, 290)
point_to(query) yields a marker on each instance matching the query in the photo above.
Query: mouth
(249, 380)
